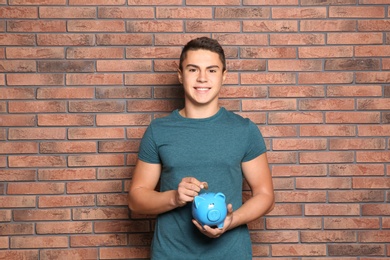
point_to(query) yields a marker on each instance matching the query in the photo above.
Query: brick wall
(80, 80)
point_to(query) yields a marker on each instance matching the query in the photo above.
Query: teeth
(202, 88)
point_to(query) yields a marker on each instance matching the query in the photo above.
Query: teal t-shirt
(211, 150)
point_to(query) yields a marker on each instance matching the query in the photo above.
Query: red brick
(326, 157)
(96, 160)
(275, 237)
(38, 241)
(114, 173)
(123, 92)
(356, 12)
(356, 250)
(357, 144)
(96, 106)
(297, 39)
(35, 79)
(379, 156)
(153, 105)
(17, 201)
(242, 13)
(66, 66)
(41, 214)
(98, 240)
(269, 78)
(184, 13)
(294, 65)
(123, 65)
(322, 183)
(294, 223)
(19, 254)
(17, 39)
(300, 196)
(118, 146)
(299, 144)
(355, 38)
(354, 91)
(97, 2)
(371, 183)
(17, 175)
(325, 77)
(327, 25)
(67, 147)
(37, 2)
(328, 237)
(180, 39)
(374, 130)
(74, 254)
(332, 210)
(268, 52)
(213, 26)
(326, 104)
(64, 12)
(299, 250)
(357, 196)
(36, 26)
(154, 26)
(96, 26)
(126, 120)
(375, 209)
(36, 106)
(18, 147)
(17, 66)
(95, 133)
(36, 188)
(373, 25)
(4, 243)
(295, 118)
(372, 51)
(112, 199)
(296, 91)
(13, 12)
(126, 12)
(355, 223)
(325, 52)
(65, 120)
(66, 201)
(35, 53)
(127, 39)
(208, 2)
(299, 170)
(352, 117)
(17, 93)
(124, 252)
(105, 213)
(95, 79)
(5, 215)
(269, 26)
(36, 133)
(356, 169)
(298, 13)
(17, 229)
(67, 39)
(44, 228)
(93, 187)
(65, 93)
(67, 174)
(153, 52)
(36, 161)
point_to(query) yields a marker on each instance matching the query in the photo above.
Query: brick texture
(81, 80)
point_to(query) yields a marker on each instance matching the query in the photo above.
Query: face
(202, 77)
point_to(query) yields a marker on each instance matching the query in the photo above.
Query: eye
(192, 70)
(212, 71)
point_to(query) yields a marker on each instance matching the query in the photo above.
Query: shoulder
(238, 119)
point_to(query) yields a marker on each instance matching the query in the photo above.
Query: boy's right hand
(188, 189)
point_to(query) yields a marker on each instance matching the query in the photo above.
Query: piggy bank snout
(213, 215)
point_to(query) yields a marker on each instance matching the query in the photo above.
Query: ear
(180, 76)
(198, 200)
(224, 76)
(220, 195)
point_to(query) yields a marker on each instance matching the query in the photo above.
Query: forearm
(151, 202)
(254, 208)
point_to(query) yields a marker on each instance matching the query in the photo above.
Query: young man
(198, 145)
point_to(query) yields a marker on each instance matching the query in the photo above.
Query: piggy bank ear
(220, 195)
(198, 200)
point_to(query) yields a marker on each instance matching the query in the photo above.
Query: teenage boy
(198, 145)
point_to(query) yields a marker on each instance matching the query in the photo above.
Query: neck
(199, 112)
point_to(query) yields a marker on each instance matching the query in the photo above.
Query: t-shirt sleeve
(256, 144)
(148, 151)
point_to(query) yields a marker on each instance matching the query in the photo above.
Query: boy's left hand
(216, 232)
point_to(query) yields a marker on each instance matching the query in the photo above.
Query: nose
(202, 76)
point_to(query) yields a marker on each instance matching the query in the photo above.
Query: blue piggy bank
(210, 209)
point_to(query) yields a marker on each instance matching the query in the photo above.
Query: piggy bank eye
(211, 205)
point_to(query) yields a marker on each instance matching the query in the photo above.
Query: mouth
(202, 88)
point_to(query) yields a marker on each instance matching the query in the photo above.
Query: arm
(258, 176)
(144, 199)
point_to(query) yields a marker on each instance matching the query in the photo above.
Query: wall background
(80, 80)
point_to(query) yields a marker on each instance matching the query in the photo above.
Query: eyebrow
(208, 67)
